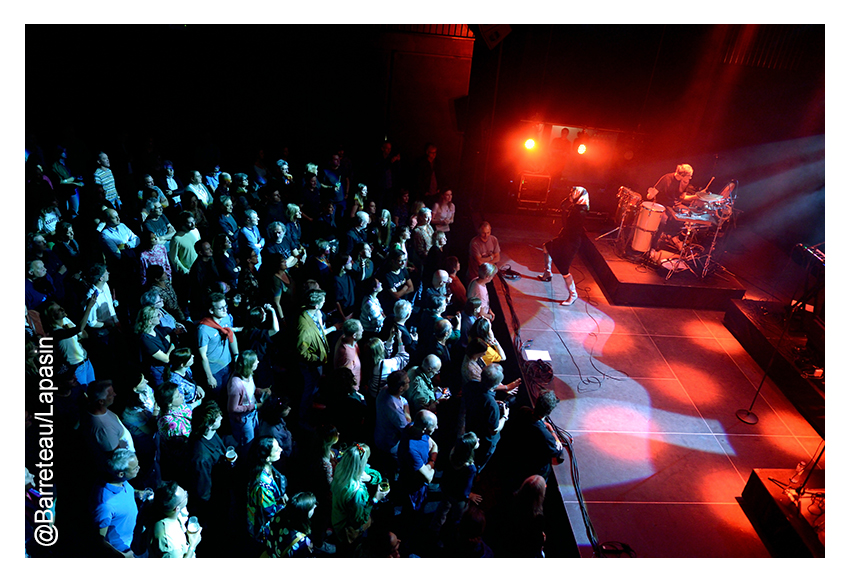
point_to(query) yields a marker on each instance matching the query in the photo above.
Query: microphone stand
(746, 415)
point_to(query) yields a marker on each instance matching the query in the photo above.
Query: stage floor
(649, 396)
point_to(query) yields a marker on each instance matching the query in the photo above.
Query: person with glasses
(217, 344)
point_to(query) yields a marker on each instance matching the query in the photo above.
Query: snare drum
(647, 223)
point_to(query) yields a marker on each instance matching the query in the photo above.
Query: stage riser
(745, 321)
(623, 285)
(774, 518)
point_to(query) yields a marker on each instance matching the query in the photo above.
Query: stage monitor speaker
(533, 188)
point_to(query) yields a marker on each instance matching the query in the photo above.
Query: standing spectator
(378, 367)
(272, 423)
(417, 456)
(312, 347)
(347, 350)
(392, 414)
(170, 183)
(115, 510)
(337, 184)
(423, 234)
(443, 212)
(371, 313)
(250, 237)
(197, 187)
(396, 281)
(38, 280)
(358, 233)
(526, 532)
(291, 527)
(382, 233)
(224, 181)
(401, 209)
(103, 176)
(181, 251)
(426, 182)
(170, 539)
(243, 399)
(422, 395)
(225, 260)
(385, 173)
(484, 416)
(456, 484)
(192, 204)
(157, 223)
(217, 343)
(179, 371)
(207, 450)
(67, 249)
(343, 284)
(436, 256)
(155, 345)
(352, 502)
(224, 222)
(153, 252)
(212, 177)
(71, 355)
(116, 236)
(101, 428)
(266, 488)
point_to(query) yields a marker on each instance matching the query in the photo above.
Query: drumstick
(709, 184)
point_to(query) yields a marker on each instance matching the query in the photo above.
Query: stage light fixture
(529, 144)
(582, 149)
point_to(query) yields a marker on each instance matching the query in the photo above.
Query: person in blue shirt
(115, 509)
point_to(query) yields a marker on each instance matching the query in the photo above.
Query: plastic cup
(192, 526)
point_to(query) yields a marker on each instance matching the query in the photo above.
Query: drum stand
(708, 260)
(618, 230)
(688, 253)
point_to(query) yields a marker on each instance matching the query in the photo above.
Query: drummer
(671, 190)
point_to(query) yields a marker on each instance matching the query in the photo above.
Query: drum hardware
(723, 213)
(629, 201)
(689, 253)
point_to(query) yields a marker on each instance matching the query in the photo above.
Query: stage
(649, 396)
(626, 280)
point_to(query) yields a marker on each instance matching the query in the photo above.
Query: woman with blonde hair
(155, 345)
(352, 498)
(376, 366)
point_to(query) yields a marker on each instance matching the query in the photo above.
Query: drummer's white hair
(684, 169)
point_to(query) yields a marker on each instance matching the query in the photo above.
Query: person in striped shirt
(103, 176)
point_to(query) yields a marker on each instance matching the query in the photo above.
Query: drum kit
(707, 213)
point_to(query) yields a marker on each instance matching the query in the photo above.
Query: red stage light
(529, 144)
(582, 149)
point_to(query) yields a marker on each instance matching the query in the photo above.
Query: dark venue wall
(237, 89)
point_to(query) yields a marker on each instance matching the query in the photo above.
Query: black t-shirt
(152, 344)
(205, 454)
(344, 292)
(391, 282)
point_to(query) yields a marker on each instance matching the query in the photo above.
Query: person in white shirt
(199, 189)
(116, 236)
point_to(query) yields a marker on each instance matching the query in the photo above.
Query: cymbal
(709, 197)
